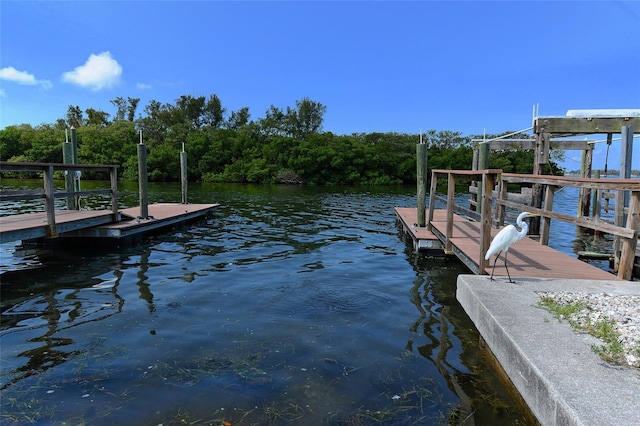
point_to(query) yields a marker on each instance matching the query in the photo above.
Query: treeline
(284, 146)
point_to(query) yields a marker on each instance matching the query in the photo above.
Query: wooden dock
(160, 215)
(111, 223)
(30, 226)
(99, 223)
(527, 257)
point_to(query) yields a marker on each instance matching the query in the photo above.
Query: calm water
(288, 305)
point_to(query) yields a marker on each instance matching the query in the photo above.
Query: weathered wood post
(421, 177)
(585, 193)
(142, 179)
(596, 205)
(451, 196)
(545, 226)
(113, 178)
(49, 201)
(629, 245)
(67, 158)
(183, 174)
(75, 173)
(488, 181)
(432, 198)
(483, 164)
(474, 198)
(541, 158)
(622, 197)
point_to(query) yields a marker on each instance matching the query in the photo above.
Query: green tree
(10, 142)
(213, 112)
(96, 117)
(306, 118)
(121, 108)
(132, 106)
(238, 119)
(74, 117)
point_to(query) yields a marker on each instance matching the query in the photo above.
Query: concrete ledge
(551, 364)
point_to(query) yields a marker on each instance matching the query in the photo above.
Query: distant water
(288, 305)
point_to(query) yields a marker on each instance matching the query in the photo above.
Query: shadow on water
(288, 305)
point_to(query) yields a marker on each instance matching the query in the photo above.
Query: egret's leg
(507, 267)
(494, 265)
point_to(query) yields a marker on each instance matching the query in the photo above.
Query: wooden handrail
(629, 233)
(7, 166)
(488, 178)
(576, 182)
(50, 194)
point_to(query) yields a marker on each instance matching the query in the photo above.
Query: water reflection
(296, 306)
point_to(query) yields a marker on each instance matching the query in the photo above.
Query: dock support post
(622, 198)
(546, 221)
(432, 199)
(541, 158)
(483, 164)
(596, 203)
(421, 178)
(49, 202)
(629, 245)
(75, 174)
(113, 177)
(142, 179)
(488, 181)
(67, 158)
(183, 174)
(451, 193)
(585, 193)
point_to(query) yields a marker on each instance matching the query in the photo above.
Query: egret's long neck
(524, 228)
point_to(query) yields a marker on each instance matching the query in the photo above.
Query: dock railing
(627, 235)
(488, 178)
(49, 194)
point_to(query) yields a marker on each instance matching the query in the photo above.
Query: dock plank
(99, 223)
(527, 257)
(160, 215)
(423, 239)
(28, 226)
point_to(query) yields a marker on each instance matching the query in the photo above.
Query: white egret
(505, 238)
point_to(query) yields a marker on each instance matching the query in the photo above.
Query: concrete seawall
(551, 364)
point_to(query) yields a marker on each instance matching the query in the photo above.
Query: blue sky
(376, 66)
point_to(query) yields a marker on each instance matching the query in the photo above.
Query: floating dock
(160, 215)
(99, 223)
(527, 258)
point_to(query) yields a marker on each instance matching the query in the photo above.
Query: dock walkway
(99, 223)
(160, 215)
(30, 226)
(527, 258)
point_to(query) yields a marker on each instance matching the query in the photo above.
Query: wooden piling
(67, 158)
(584, 198)
(421, 177)
(622, 198)
(75, 174)
(49, 202)
(142, 179)
(183, 174)
(483, 164)
(629, 245)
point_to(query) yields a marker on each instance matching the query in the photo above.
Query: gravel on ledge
(623, 310)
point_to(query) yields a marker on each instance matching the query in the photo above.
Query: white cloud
(98, 72)
(143, 86)
(22, 77)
